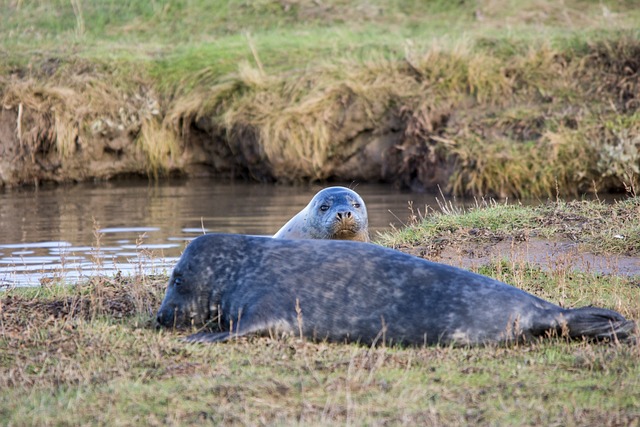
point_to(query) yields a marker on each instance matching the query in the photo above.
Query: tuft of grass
(160, 146)
(568, 287)
(43, 116)
(76, 104)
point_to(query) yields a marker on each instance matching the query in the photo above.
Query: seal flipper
(206, 337)
(209, 337)
(245, 327)
(598, 324)
(248, 325)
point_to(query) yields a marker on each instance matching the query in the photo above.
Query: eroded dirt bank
(537, 123)
(37, 145)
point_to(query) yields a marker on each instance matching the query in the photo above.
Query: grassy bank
(90, 354)
(595, 227)
(506, 98)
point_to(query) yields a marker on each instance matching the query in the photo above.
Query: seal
(334, 213)
(358, 292)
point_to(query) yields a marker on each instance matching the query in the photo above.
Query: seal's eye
(177, 281)
(356, 205)
(324, 208)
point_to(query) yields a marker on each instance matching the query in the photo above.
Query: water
(73, 232)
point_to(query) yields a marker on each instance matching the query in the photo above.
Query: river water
(76, 231)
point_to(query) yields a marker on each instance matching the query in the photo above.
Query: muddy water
(72, 232)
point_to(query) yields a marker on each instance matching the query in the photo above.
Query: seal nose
(164, 318)
(343, 215)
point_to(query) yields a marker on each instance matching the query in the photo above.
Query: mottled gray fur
(334, 213)
(351, 291)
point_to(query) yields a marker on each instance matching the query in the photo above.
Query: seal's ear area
(210, 337)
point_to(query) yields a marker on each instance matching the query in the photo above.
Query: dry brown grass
(530, 124)
(63, 109)
(160, 146)
(47, 114)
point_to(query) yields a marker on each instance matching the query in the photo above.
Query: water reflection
(72, 232)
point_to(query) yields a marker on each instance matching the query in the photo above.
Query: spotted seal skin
(351, 291)
(334, 213)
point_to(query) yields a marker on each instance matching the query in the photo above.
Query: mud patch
(547, 254)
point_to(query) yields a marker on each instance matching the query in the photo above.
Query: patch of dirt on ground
(548, 254)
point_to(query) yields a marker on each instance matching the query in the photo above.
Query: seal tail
(599, 324)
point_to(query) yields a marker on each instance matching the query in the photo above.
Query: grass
(595, 226)
(89, 354)
(159, 145)
(506, 98)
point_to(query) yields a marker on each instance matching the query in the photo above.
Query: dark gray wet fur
(337, 213)
(351, 291)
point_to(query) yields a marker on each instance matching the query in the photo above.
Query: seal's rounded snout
(166, 317)
(161, 319)
(340, 216)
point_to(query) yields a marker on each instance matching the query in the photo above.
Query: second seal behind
(337, 213)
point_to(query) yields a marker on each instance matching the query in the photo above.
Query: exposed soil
(32, 157)
(549, 255)
(380, 155)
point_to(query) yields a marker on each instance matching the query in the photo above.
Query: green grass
(200, 34)
(208, 34)
(90, 354)
(598, 227)
(248, 393)
(175, 39)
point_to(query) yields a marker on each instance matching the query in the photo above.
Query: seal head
(336, 213)
(193, 294)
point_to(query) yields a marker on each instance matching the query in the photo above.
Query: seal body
(334, 213)
(351, 291)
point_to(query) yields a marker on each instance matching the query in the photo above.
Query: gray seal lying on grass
(351, 291)
(334, 213)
